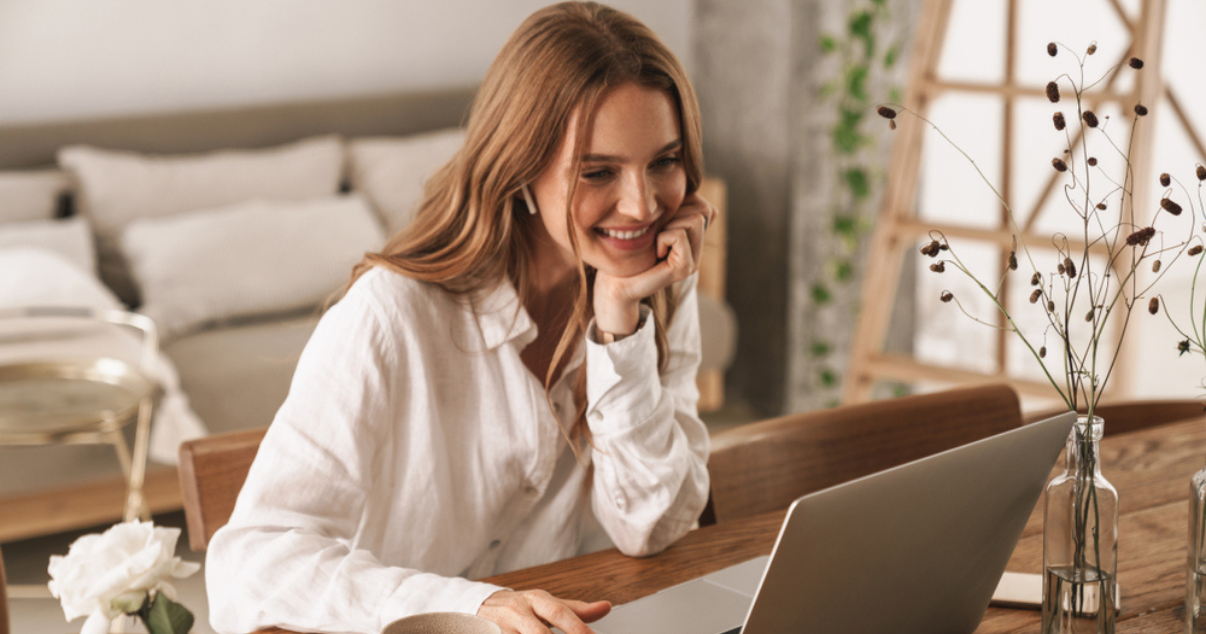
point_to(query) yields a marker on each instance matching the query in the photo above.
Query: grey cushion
(237, 376)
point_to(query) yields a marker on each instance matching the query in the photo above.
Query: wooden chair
(1124, 416)
(4, 625)
(765, 466)
(212, 472)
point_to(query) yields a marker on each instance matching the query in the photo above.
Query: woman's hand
(679, 246)
(533, 611)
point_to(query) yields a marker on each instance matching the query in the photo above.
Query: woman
(511, 381)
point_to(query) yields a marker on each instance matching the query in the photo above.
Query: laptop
(916, 548)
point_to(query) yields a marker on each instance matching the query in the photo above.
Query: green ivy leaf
(820, 349)
(828, 378)
(821, 294)
(891, 57)
(846, 135)
(828, 44)
(858, 182)
(167, 617)
(856, 82)
(861, 28)
(845, 271)
(845, 225)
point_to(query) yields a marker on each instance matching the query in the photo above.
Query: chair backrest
(764, 466)
(1123, 416)
(212, 471)
(4, 626)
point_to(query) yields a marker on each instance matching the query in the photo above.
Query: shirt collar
(501, 317)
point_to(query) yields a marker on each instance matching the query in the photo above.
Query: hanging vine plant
(854, 92)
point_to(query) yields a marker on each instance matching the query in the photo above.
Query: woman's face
(630, 182)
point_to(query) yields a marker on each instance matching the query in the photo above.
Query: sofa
(186, 212)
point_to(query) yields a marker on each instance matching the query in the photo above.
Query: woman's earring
(527, 198)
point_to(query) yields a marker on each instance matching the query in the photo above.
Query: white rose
(103, 575)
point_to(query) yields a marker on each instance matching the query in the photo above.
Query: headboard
(30, 146)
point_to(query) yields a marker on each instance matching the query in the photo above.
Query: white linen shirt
(415, 452)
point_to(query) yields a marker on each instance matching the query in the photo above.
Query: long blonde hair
(471, 230)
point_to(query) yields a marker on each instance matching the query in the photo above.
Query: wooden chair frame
(212, 472)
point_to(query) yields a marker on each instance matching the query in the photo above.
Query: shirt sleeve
(286, 557)
(650, 458)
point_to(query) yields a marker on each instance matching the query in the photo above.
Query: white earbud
(527, 198)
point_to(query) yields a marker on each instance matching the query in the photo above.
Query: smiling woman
(511, 380)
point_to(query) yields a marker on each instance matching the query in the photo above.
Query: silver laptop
(916, 548)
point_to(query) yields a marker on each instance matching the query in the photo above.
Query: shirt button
(495, 544)
(596, 417)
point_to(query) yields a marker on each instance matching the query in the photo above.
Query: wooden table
(1150, 469)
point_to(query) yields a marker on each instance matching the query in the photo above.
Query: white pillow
(117, 188)
(32, 195)
(251, 258)
(391, 171)
(69, 238)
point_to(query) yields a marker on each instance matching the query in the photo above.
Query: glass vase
(1080, 540)
(1195, 615)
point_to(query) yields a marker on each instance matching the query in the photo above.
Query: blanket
(38, 277)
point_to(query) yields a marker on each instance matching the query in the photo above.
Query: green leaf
(821, 294)
(861, 28)
(845, 271)
(167, 617)
(856, 82)
(820, 349)
(894, 95)
(856, 179)
(846, 137)
(828, 44)
(828, 378)
(845, 225)
(891, 56)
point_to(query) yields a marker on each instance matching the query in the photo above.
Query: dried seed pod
(1170, 206)
(1089, 316)
(1060, 268)
(1090, 118)
(1092, 49)
(938, 267)
(930, 249)
(1092, 161)
(1141, 237)
(1034, 297)
(1195, 250)
(1141, 110)
(1153, 306)
(1156, 266)
(1051, 306)
(1069, 267)
(1183, 347)
(1136, 63)
(1165, 180)
(1042, 352)
(891, 124)
(946, 296)
(1201, 172)
(1013, 261)
(1060, 123)
(1052, 49)
(1052, 92)
(1101, 205)
(886, 112)
(1035, 279)
(1059, 165)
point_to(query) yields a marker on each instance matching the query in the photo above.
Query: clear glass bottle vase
(1195, 597)
(1080, 540)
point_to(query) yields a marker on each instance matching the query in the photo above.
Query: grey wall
(759, 71)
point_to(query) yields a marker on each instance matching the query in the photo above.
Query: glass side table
(86, 400)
